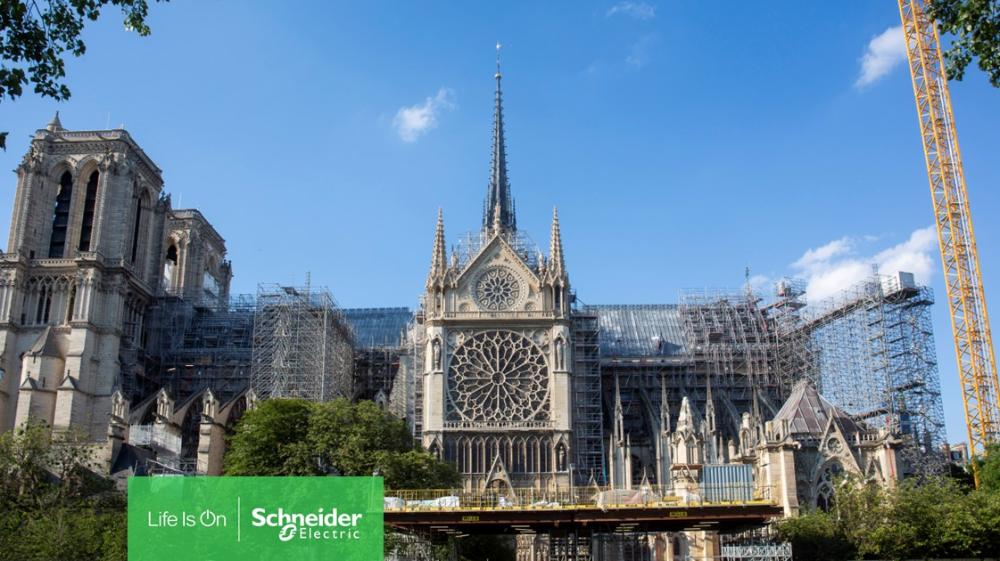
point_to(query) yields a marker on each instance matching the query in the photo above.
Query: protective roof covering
(808, 412)
(640, 330)
(378, 327)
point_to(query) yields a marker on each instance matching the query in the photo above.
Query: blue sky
(681, 141)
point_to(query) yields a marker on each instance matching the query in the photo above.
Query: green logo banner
(251, 518)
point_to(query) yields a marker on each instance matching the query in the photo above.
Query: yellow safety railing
(646, 496)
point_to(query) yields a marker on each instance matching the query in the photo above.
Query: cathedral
(511, 392)
(116, 321)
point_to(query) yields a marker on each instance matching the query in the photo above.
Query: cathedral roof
(640, 330)
(378, 327)
(808, 412)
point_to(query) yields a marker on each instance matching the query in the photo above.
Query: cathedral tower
(496, 320)
(93, 242)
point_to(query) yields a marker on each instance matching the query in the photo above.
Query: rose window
(497, 289)
(498, 376)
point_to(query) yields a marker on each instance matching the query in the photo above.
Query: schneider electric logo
(321, 524)
(250, 518)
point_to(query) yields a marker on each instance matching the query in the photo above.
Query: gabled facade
(811, 441)
(496, 380)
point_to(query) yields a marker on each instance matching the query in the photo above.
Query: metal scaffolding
(876, 338)
(195, 347)
(379, 335)
(735, 339)
(588, 419)
(302, 345)
(875, 356)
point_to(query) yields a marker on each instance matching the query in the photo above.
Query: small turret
(55, 124)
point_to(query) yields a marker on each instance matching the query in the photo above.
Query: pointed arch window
(137, 228)
(170, 268)
(71, 304)
(60, 217)
(89, 204)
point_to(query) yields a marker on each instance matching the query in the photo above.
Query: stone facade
(497, 370)
(495, 330)
(93, 244)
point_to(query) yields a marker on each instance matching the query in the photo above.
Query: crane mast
(970, 324)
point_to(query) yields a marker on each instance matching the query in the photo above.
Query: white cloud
(638, 10)
(413, 121)
(884, 52)
(915, 255)
(823, 253)
(838, 265)
(761, 283)
(638, 55)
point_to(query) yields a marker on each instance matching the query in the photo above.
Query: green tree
(989, 469)
(935, 517)
(270, 440)
(975, 25)
(355, 439)
(416, 469)
(52, 505)
(39, 34)
(297, 437)
(31, 459)
(816, 535)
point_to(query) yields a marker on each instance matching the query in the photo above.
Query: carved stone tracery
(498, 376)
(498, 289)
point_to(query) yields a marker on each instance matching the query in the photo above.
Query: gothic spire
(556, 263)
(709, 404)
(619, 428)
(439, 260)
(498, 196)
(664, 406)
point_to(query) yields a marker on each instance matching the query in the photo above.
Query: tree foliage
(975, 26)
(298, 437)
(989, 469)
(37, 36)
(52, 505)
(934, 518)
(815, 535)
(268, 440)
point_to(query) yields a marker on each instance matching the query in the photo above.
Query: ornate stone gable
(497, 280)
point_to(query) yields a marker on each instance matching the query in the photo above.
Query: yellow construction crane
(977, 367)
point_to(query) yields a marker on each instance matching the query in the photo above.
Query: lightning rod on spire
(499, 46)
